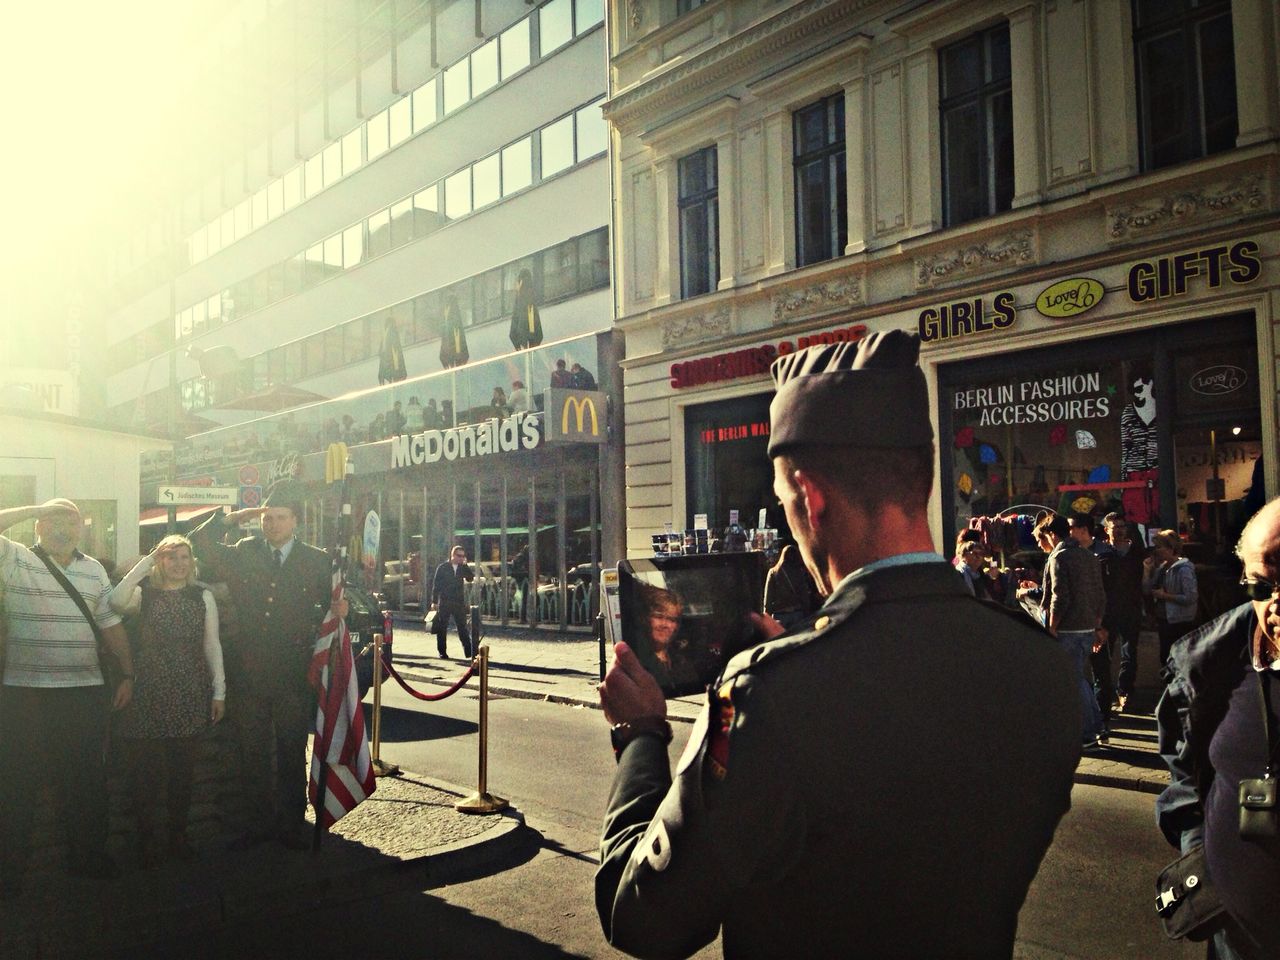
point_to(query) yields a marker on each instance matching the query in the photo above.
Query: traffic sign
(251, 496)
(198, 496)
(248, 475)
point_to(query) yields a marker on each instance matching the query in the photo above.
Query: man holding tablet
(884, 779)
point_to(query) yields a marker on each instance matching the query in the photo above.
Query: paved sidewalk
(565, 668)
(408, 824)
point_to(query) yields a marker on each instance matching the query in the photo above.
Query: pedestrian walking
(884, 779)
(181, 688)
(1170, 580)
(1123, 618)
(1082, 532)
(448, 600)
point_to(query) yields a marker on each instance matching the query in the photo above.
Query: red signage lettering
(752, 360)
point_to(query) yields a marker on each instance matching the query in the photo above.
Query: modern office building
(417, 196)
(1075, 205)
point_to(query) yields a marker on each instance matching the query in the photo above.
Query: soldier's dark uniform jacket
(881, 782)
(279, 608)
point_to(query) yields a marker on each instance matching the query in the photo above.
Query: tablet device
(685, 616)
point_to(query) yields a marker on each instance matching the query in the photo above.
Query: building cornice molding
(1220, 199)
(683, 79)
(690, 329)
(1015, 249)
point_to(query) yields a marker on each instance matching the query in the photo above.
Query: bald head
(1259, 551)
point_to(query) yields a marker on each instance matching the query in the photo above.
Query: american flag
(340, 751)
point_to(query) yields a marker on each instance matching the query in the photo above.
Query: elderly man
(1219, 724)
(886, 778)
(281, 587)
(54, 689)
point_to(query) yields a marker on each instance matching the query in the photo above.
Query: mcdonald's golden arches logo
(576, 416)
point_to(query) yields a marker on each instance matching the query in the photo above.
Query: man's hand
(628, 691)
(218, 711)
(124, 693)
(340, 609)
(238, 517)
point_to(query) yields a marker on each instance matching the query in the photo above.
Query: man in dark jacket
(1072, 603)
(1124, 601)
(281, 588)
(1212, 735)
(448, 599)
(885, 780)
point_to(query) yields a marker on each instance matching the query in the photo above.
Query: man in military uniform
(884, 779)
(281, 588)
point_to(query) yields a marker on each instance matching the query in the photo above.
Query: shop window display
(1071, 437)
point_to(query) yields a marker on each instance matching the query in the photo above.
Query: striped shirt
(50, 644)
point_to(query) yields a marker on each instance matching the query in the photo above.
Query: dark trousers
(1103, 689)
(459, 613)
(55, 735)
(144, 759)
(1170, 632)
(273, 725)
(1127, 629)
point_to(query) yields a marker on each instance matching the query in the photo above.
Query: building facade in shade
(1074, 204)
(423, 199)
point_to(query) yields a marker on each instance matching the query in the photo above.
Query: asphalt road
(1091, 899)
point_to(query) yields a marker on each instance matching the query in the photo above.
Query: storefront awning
(497, 531)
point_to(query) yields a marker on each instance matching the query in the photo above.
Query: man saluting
(281, 587)
(881, 781)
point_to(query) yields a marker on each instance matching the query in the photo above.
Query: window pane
(313, 354)
(489, 296)
(424, 105)
(332, 164)
(457, 194)
(998, 63)
(214, 308)
(811, 129)
(355, 336)
(426, 206)
(592, 134)
(401, 118)
(555, 26)
(484, 68)
(376, 135)
(457, 86)
(199, 245)
(314, 272)
(379, 233)
(517, 166)
(560, 271)
(259, 209)
(275, 199)
(294, 268)
(351, 158)
(1001, 111)
(313, 175)
(293, 188)
(589, 13)
(333, 253)
(557, 146)
(353, 245)
(244, 218)
(593, 260)
(964, 185)
(962, 67)
(401, 222)
(214, 231)
(487, 188)
(198, 318)
(228, 221)
(1218, 85)
(515, 48)
(332, 348)
(696, 239)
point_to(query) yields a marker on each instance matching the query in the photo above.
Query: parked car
(402, 583)
(365, 617)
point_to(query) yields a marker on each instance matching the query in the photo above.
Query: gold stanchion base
(481, 803)
(383, 769)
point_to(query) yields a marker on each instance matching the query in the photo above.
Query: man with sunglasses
(1219, 723)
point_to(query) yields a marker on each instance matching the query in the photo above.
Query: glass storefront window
(726, 463)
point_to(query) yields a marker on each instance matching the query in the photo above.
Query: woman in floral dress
(179, 690)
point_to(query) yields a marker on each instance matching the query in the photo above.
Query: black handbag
(1186, 899)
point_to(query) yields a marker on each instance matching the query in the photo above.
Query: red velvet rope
(395, 675)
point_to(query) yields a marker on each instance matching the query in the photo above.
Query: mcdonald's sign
(576, 416)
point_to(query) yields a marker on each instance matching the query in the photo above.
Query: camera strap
(1264, 688)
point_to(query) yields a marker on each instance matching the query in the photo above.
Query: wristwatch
(623, 733)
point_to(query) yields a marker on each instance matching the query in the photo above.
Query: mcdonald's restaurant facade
(524, 491)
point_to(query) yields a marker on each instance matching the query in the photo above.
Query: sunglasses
(1259, 588)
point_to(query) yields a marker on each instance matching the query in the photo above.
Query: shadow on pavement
(406, 726)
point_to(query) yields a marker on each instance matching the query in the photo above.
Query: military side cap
(287, 492)
(866, 393)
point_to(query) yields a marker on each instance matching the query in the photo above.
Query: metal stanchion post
(380, 769)
(599, 625)
(482, 801)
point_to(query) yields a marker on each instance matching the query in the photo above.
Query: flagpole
(340, 559)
